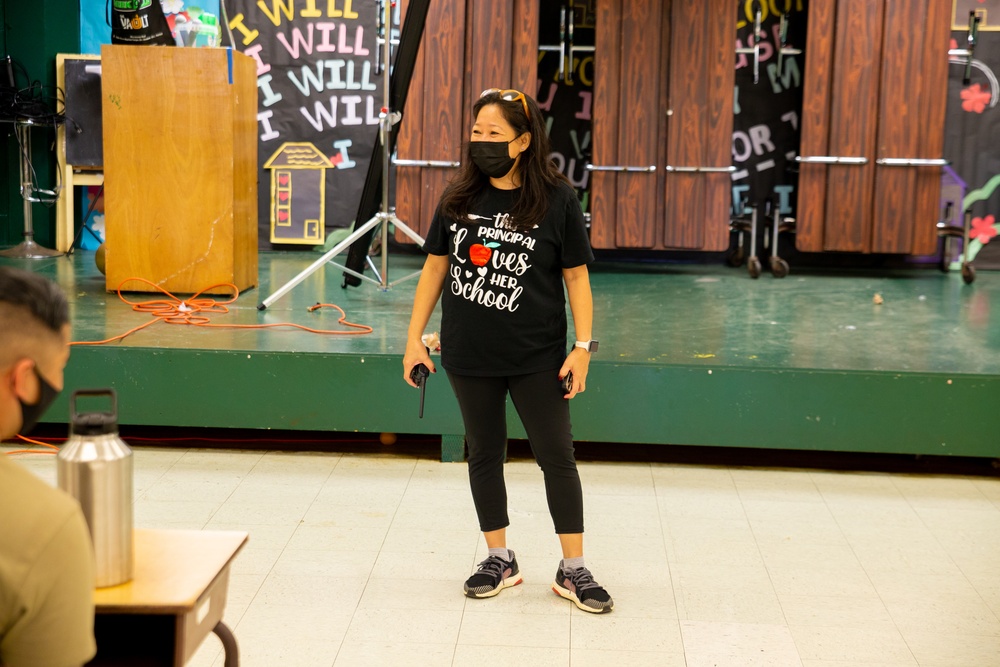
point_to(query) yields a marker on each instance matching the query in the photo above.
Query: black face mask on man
(30, 414)
(492, 157)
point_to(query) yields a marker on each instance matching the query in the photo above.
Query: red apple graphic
(480, 253)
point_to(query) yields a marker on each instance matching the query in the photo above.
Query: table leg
(232, 651)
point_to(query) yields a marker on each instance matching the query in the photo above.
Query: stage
(690, 354)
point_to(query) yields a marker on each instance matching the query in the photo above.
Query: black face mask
(30, 414)
(491, 157)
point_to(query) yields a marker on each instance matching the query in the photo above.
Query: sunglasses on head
(510, 96)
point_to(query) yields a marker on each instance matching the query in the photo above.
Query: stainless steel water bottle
(95, 467)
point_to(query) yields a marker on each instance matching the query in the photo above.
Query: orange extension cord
(192, 311)
(52, 449)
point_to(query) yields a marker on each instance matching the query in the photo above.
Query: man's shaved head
(33, 315)
(34, 333)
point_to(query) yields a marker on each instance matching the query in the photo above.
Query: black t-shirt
(503, 306)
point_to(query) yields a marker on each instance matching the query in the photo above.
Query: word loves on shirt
(487, 275)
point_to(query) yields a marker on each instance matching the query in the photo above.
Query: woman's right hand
(416, 353)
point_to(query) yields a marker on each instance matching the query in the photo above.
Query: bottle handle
(110, 393)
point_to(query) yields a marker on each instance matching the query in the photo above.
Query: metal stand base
(387, 214)
(381, 218)
(28, 249)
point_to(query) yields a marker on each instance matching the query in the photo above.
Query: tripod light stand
(386, 214)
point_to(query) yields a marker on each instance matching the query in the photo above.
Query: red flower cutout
(983, 229)
(975, 99)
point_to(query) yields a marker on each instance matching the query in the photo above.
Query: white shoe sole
(571, 596)
(506, 583)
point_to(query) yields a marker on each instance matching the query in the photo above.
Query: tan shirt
(46, 574)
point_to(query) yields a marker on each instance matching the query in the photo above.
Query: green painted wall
(34, 32)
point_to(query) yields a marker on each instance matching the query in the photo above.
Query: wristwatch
(588, 345)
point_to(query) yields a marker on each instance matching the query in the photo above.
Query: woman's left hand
(578, 363)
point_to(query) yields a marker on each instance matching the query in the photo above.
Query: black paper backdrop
(317, 86)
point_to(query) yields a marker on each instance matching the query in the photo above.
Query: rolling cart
(747, 223)
(948, 232)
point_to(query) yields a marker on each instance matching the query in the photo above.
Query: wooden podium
(180, 167)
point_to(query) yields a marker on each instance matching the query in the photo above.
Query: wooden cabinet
(180, 165)
(875, 90)
(658, 100)
(664, 72)
(663, 97)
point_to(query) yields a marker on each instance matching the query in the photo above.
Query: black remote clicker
(567, 382)
(419, 375)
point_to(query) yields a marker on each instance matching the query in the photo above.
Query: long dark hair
(537, 172)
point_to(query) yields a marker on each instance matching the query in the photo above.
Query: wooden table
(176, 598)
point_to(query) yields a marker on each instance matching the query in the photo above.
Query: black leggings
(538, 399)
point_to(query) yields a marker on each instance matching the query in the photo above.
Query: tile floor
(358, 559)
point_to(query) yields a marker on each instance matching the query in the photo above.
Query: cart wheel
(753, 265)
(779, 267)
(968, 274)
(736, 257)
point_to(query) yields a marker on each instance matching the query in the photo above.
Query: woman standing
(507, 234)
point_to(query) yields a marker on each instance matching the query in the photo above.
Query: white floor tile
(171, 487)
(617, 479)
(945, 614)
(310, 591)
(406, 626)
(274, 536)
(756, 606)
(359, 559)
(525, 598)
(853, 663)
(380, 654)
(621, 633)
(602, 658)
(290, 635)
(705, 641)
(190, 514)
(498, 628)
(364, 538)
(404, 566)
(344, 563)
(953, 650)
(274, 513)
(708, 533)
(710, 503)
(419, 594)
(851, 643)
(835, 611)
(469, 655)
(414, 540)
(820, 580)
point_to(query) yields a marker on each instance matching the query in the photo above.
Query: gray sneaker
(579, 587)
(494, 575)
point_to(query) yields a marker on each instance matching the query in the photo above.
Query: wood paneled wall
(875, 87)
(911, 125)
(467, 47)
(663, 94)
(701, 71)
(604, 142)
